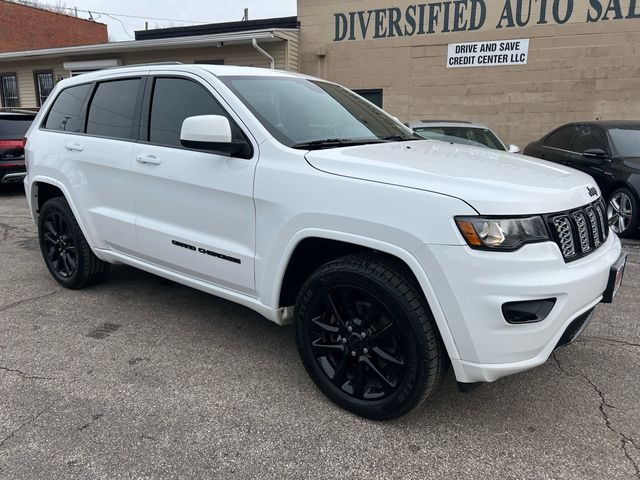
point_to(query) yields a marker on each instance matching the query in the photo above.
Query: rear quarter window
(66, 112)
(562, 138)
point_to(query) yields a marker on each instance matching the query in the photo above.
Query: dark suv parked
(13, 126)
(609, 151)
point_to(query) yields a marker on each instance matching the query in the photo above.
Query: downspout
(263, 52)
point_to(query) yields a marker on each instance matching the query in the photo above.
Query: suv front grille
(580, 232)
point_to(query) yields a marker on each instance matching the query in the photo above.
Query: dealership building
(520, 66)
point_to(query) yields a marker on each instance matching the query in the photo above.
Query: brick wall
(578, 70)
(27, 28)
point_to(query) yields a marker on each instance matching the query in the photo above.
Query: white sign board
(488, 54)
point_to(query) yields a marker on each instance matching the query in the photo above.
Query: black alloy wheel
(367, 338)
(64, 248)
(59, 246)
(357, 343)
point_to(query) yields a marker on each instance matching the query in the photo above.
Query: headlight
(502, 233)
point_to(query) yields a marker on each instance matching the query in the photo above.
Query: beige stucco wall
(575, 71)
(285, 53)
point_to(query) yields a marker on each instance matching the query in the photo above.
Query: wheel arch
(624, 184)
(44, 188)
(291, 273)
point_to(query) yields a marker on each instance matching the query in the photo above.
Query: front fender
(404, 255)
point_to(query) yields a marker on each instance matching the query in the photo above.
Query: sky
(172, 13)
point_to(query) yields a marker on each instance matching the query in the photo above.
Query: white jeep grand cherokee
(394, 256)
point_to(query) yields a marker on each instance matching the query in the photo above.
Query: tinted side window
(588, 137)
(563, 138)
(175, 99)
(66, 113)
(112, 109)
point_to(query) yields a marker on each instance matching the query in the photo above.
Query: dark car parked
(13, 126)
(609, 151)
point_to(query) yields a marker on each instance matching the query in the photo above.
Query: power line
(108, 14)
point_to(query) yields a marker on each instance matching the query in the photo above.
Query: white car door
(195, 209)
(97, 162)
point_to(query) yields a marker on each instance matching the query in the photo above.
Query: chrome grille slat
(563, 227)
(604, 224)
(593, 221)
(581, 231)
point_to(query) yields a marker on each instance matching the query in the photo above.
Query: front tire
(367, 338)
(64, 248)
(622, 211)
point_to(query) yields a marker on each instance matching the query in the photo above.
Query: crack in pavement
(606, 341)
(25, 424)
(7, 229)
(624, 439)
(24, 375)
(27, 300)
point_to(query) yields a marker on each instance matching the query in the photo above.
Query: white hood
(491, 181)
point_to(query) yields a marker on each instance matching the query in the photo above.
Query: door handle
(74, 147)
(148, 160)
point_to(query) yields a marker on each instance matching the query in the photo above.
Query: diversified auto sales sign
(469, 15)
(488, 54)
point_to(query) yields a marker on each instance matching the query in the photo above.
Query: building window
(44, 84)
(9, 90)
(374, 95)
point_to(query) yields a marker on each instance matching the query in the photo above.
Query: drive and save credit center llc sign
(488, 54)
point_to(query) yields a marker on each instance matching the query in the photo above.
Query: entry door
(588, 137)
(98, 164)
(194, 210)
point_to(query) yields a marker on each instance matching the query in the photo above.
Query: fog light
(529, 311)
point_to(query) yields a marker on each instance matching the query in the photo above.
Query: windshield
(479, 137)
(626, 141)
(303, 113)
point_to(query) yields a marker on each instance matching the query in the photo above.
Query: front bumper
(471, 286)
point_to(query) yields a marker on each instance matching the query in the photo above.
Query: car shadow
(195, 313)
(11, 190)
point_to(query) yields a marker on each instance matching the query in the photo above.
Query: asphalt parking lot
(140, 377)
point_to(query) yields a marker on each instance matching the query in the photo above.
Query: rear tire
(622, 208)
(64, 248)
(367, 337)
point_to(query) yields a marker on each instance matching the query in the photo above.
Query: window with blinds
(9, 90)
(44, 84)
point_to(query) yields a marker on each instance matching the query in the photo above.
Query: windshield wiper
(334, 142)
(400, 138)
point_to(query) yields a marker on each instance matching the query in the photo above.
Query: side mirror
(212, 133)
(514, 148)
(595, 153)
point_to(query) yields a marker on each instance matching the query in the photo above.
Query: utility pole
(246, 15)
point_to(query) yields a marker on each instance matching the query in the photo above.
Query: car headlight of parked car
(502, 233)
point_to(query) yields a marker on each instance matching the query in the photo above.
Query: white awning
(145, 45)
(91, 65)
